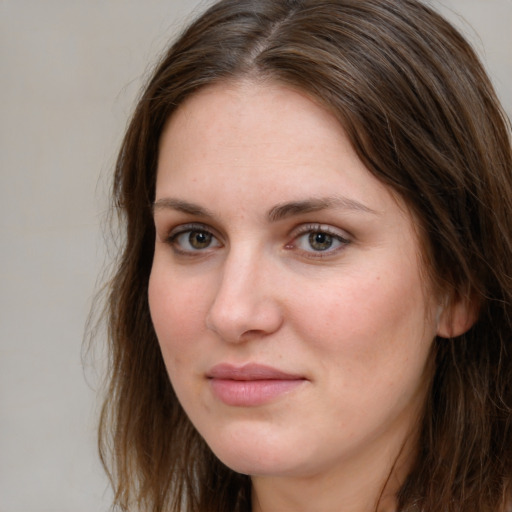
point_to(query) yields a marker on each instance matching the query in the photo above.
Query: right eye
(192, 239)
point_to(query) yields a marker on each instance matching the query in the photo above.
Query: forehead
(255, 112)
(244, 129)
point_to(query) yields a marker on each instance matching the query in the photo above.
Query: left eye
(194, 240)
(319, 241)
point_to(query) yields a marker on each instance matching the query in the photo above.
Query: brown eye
(319, 241)
(193, 240)
(199, 239)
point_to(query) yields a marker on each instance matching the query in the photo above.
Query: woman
(312, 309)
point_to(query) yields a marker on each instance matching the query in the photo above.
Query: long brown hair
(422, 115)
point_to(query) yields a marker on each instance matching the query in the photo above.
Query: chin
(257, 453)
(257, 465)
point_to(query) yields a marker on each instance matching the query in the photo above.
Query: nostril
(252, 334)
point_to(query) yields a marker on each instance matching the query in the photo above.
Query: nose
(245, 305)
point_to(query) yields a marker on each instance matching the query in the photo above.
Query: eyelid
(191, 226)
(323, 228)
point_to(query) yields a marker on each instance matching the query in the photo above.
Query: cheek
(177, 314)
(373, 320)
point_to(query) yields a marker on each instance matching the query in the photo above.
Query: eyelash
(307, 229)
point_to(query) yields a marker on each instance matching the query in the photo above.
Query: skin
(350, 313)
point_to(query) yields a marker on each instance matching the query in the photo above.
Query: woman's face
(286, 291)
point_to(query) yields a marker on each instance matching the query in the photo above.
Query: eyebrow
(285, 210)
(275, 214)
(169, 203)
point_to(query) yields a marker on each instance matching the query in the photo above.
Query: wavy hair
(423, 117)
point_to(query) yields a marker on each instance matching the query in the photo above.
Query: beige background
(70, 72)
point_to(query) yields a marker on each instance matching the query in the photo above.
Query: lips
(251, 385)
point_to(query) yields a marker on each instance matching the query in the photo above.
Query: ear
(457, 317)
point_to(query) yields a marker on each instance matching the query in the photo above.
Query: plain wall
(70, 72)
